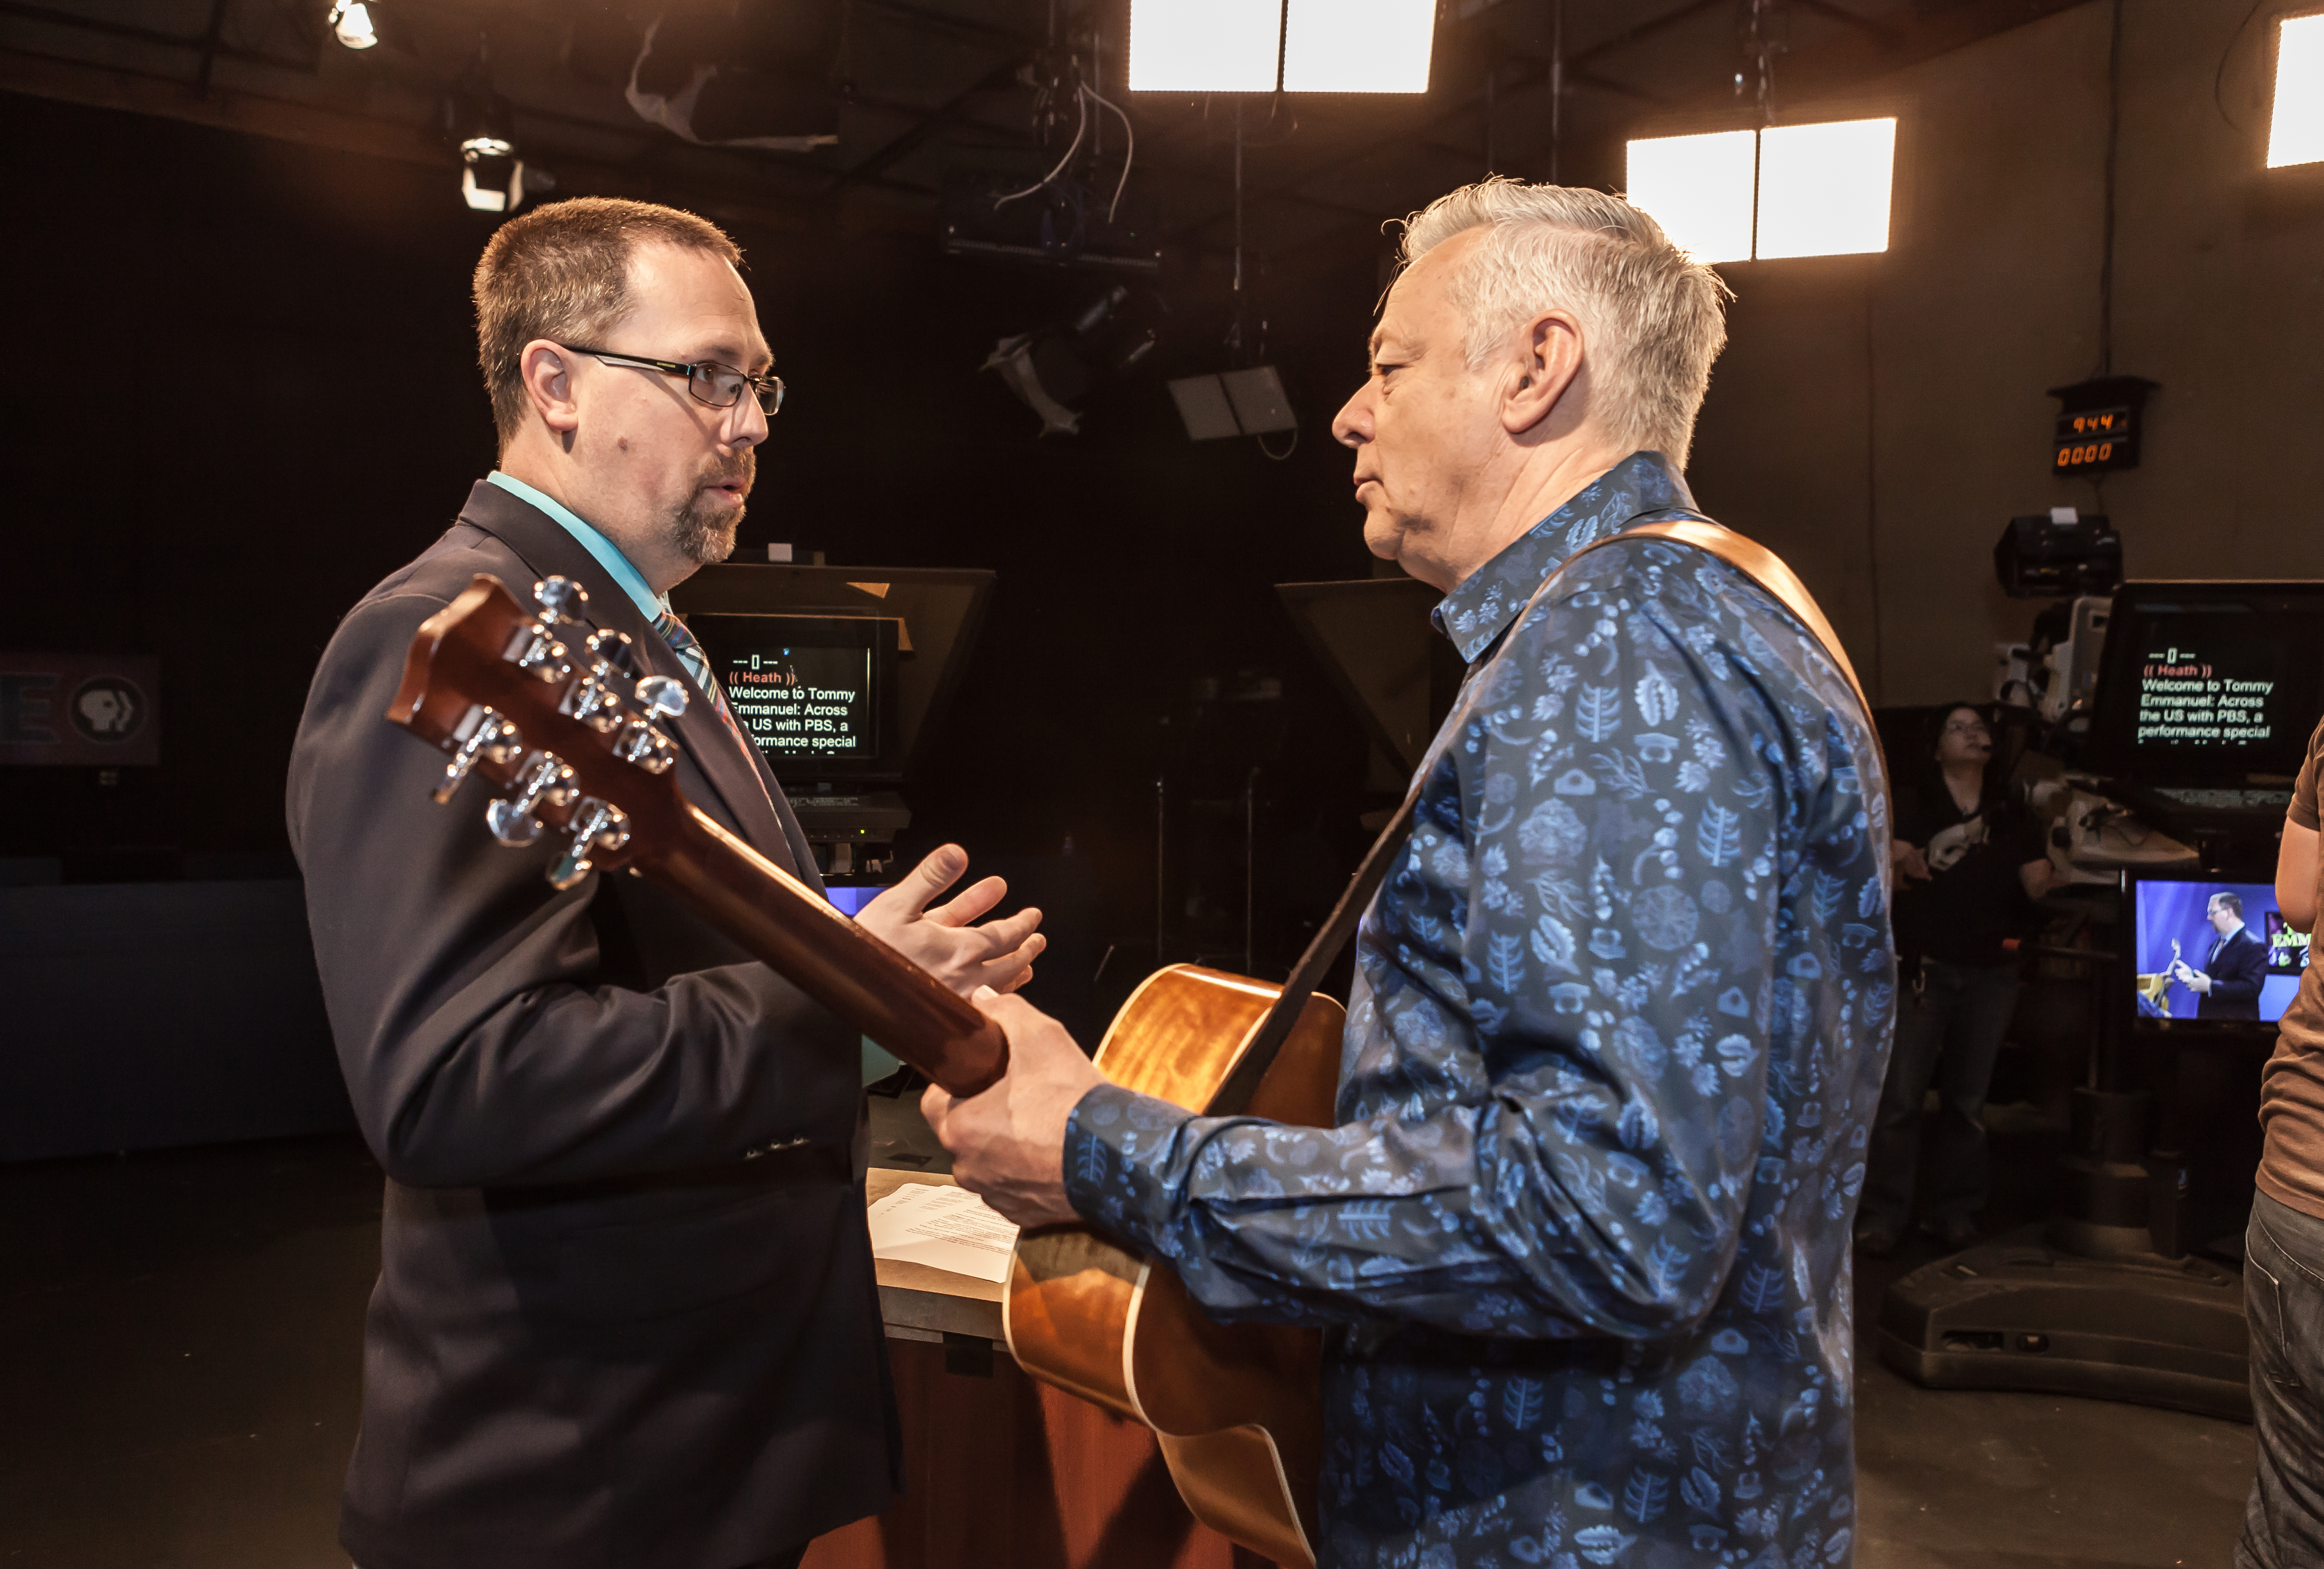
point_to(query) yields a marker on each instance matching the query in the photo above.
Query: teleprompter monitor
(2208, 683)
(2212, 954)
(934, 614)
(812, 692)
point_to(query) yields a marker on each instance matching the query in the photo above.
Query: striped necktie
(697, 665)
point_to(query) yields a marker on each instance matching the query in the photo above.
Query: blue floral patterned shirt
(1622, 1007)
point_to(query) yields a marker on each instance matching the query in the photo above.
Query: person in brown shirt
(2283, 1249)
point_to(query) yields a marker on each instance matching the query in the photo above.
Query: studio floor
(179, 1365)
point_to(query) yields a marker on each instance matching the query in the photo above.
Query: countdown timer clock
(2098, 425)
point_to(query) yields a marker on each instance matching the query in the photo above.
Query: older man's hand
(1008, 1145)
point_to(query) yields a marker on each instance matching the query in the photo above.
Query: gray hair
(1652, 317)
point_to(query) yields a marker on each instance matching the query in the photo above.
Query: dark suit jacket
(2238, 969)
(625, 1314)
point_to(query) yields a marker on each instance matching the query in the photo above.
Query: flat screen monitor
(2190, 972)
(2208, 683)
(849, 897)
(813, 692)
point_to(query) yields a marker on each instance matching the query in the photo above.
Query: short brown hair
(562, 272)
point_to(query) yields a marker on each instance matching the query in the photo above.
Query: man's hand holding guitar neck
(1007, 1144)
(943, 941)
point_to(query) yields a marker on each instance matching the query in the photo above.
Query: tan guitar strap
(1749, 557)
(1770, 572)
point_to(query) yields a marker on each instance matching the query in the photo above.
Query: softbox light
(1823, 189)
(2295, 132)
(1357, 46)
(1699, 189)
(1246, 403)
(1204, 46)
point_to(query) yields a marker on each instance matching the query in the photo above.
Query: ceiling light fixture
(491, 175)
(480, 123)
(1357, 46)
(1204, 46)
(2295, 132)
(350, 22)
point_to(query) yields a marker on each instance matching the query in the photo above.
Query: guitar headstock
(555, 714)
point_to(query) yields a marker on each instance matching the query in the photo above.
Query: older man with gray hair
(1622, 1006)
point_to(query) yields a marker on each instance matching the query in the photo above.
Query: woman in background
(1969, 862)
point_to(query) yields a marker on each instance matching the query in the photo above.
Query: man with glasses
(2234, 972)
(625, 1312)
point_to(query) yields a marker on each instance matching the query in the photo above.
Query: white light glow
(483, 197)
(2295, 131)
(1204, 46)
(351, 24)
(1357, 46)
(1823, 189)
(1699, 189)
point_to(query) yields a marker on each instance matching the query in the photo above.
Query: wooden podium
(1001, 1472)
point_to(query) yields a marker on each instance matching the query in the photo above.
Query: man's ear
(1548, 362)
(549, 385)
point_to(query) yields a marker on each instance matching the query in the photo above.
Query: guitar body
(1237, 1409)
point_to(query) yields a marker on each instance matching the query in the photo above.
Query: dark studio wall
(1878, 419)
(242, 390)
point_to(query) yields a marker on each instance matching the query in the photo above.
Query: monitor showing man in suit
(2213, 952)
(2228, 984)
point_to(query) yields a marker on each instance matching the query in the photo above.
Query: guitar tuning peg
(534, 648)
(615, 650)
(661, 698)
(662, 695)
(483, 734)
(593, 700)
(558, 597)
(546, 777)
(597, 826)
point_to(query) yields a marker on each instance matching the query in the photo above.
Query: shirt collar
(650, 606)
(1643, 486)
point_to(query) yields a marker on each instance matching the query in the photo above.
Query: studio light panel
(2295, 132)
(1699, 189)
(1823, 189)
(1788, 190)
(1204, 46)
(1357, 46)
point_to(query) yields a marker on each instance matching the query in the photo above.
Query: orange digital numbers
(2098, 432)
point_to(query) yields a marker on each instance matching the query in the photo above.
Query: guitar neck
(780, 921)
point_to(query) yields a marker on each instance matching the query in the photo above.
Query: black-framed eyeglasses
(720, 386)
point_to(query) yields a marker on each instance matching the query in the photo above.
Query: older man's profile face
(682, 468)
(1423, 422)
(2223, 919)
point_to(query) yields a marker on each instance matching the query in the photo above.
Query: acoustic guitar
(554, 716)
